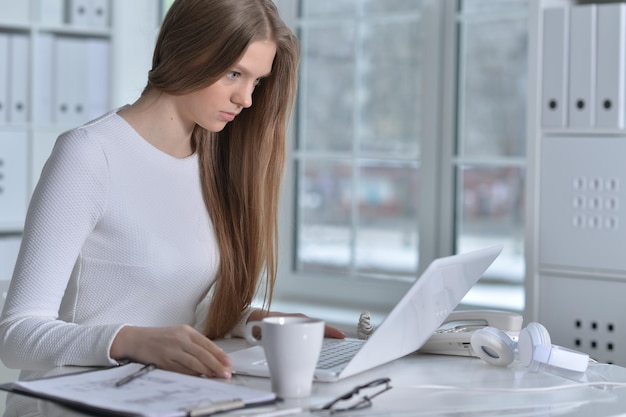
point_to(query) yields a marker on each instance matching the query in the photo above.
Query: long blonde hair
(241, 166)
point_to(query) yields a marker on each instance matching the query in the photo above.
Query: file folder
(98, 77)
(610, 85)
(99, 13)
(77, 12)
(18, 78)
(70, 80)
(4, 77)
(43, 79)
(582, 78)
(555, 67)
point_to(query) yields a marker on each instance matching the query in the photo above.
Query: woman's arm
(63, 211)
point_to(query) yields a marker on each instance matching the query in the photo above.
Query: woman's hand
(329, 331)
(333, 332)
(179, 348)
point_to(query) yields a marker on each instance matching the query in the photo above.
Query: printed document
(158, 393)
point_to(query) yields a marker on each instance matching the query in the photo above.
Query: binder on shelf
(51, 12)
(611, 64)
(43, 78)
(555, 67)
(70, 80)
(77, 12)
(4, 77)
(99, 13)
(13, 178)
(98, 77)
(582, 60)
(18, 78)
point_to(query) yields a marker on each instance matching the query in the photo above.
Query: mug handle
(248, 334)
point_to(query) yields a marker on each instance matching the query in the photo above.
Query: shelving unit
(55, 70)
(576, 231)
(112, 39)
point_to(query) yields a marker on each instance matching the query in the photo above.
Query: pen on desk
(142, 371)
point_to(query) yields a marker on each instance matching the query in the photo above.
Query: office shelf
(576, 229)
(55, 66)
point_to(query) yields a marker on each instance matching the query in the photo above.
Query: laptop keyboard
(338, 352)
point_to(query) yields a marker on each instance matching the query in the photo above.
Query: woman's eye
(232, 75)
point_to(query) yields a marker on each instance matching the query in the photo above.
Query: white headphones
(533, 349)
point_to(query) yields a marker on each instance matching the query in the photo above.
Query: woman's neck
(154, 116)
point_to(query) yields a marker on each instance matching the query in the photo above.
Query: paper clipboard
(158, 394)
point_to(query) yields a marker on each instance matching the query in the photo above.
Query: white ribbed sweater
(116, 233)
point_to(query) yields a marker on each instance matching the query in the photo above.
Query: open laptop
(420, 312)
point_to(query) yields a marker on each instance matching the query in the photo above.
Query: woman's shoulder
(109, 124)
(94, 135)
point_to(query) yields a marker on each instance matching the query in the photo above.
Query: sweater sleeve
(68, 201)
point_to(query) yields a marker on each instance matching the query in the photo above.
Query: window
(357, 152)
(491, 131)
(408, 144)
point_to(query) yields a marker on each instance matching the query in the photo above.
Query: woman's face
(214, 106)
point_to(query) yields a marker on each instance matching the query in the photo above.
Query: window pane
(493, 88)
(491, 123)
(387, 239)
(311, 9)
(326, 115)
(389, 87)
(490, 212)
(490, 6)
(325, 204)
(376, 7)
(358, 134)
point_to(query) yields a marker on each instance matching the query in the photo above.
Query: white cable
(598, 384)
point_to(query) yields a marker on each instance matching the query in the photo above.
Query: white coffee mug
(292, 347)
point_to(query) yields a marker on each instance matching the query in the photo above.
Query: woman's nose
(243, 96)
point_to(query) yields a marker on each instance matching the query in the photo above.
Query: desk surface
(434, 385)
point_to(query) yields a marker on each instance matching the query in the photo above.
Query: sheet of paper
(158, 393)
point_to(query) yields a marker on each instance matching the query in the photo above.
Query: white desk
(481, 390)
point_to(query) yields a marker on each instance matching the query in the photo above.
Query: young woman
(153, 226)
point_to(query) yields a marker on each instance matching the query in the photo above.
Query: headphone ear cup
(530, 338)
(493, 346)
